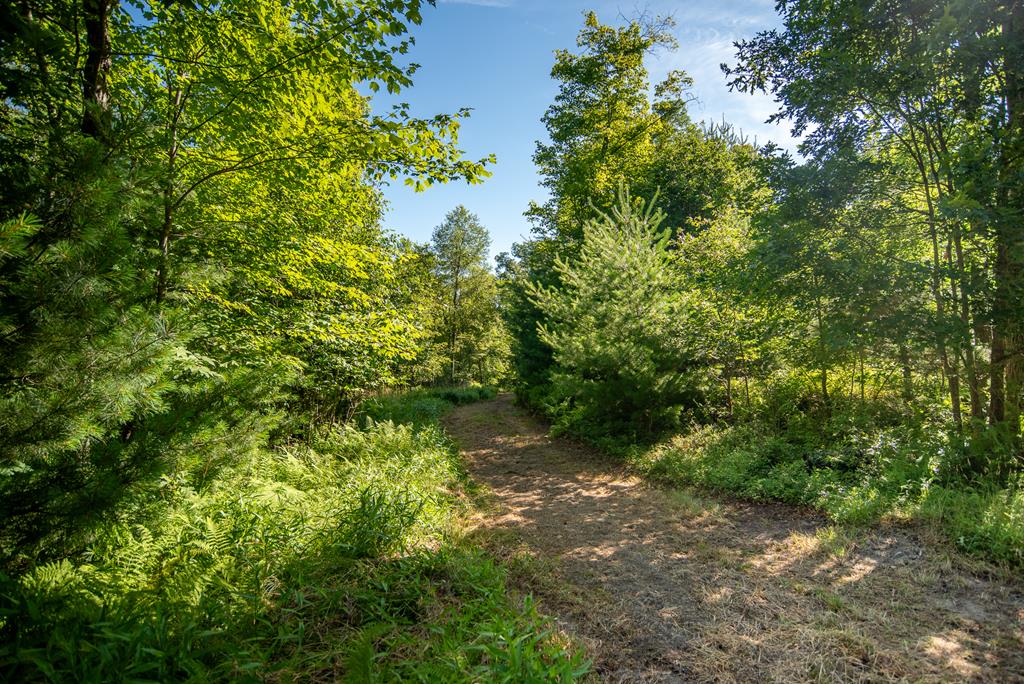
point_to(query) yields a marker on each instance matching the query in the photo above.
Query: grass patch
(831, 600)
(836, 541)
(422, 406)
(691, 504)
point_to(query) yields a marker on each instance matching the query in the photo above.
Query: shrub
(989, 522)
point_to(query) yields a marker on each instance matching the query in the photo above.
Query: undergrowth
(422, 406)
(330, 561)
(897, 473)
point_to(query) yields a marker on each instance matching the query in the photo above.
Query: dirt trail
(668, 586)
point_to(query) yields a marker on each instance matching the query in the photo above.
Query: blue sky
(496, 56)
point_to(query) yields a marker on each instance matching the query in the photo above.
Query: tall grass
(333, 560)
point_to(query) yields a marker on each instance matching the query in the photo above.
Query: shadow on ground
(673, 586)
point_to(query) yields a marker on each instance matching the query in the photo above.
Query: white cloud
(706, 36)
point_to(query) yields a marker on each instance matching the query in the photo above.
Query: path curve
(667, 586)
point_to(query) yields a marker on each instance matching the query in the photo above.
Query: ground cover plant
(896, 474)
(338, 559)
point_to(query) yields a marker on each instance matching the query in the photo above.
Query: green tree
(468, 319)
(603, 129)
(607, 129)
(191, 252)
(622, 335)
(839, 266)
(82, 358)
(531, 357)
(602, 123)
(937, 84)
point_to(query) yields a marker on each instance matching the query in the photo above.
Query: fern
(304, 552)
(360, 658)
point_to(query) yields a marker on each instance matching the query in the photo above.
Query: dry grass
(677, 586)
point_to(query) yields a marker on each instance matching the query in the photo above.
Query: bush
(988, 523)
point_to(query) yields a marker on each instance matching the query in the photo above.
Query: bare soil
(670, 585)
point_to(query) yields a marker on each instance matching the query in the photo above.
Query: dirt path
(668, 586)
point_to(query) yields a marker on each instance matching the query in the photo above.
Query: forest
(236, 412)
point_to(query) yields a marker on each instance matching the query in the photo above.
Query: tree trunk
(821, 344)
(727, 371)
(95, 95)
(453, 332)
(863, 379)
(997, 360)
(1014, 234)
(950, 366)
(746, 381)
(167, 228)
(1007, 373)
(970, 360)
(950, 369)
(908, 377)
(1015, 383)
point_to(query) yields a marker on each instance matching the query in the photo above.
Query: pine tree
(618, 326)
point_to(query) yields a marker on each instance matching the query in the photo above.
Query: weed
(690, 504)
(835, 541)
(832, 600)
